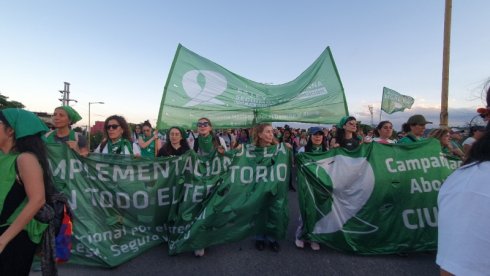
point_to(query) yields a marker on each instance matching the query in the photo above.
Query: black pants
(16, 258)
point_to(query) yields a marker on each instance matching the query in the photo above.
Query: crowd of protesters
(146, 142)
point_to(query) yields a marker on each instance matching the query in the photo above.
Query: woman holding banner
(148, 142)
(206, 144)
(176, 143)
(264, 137)
(314, 144)
(383, 133)
(464, 213)
(25, 183)
(63, 118)
(414, 127)
(346, 135)
(117, 137)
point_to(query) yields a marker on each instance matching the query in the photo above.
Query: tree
(4, 103)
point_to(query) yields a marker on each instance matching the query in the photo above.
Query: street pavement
(241, 258)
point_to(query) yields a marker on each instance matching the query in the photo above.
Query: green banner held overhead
(393, 101)
(379, 199)
(198, 87)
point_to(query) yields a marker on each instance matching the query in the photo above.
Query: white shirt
(464, 221)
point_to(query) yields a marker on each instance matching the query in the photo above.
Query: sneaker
(315, 246)
(260, 245)
(199, 252)
(275, 246)
(299, 243)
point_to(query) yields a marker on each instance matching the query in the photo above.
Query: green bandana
(118, 147)
(24, 122)
(205, 143)
(316, 148)
(72, 113)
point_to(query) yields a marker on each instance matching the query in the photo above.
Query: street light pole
(89, 126)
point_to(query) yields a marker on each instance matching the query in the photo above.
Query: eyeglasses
(203, 124)
(112, 126)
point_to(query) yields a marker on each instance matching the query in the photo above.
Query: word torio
(69, 169)
(261, 172)
(420, 164)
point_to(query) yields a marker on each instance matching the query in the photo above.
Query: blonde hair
(259, 129)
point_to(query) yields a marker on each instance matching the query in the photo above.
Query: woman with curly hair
(117, 137)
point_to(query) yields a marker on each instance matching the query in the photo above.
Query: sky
(120, 52)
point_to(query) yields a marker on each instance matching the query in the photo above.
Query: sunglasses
(203, 124)
(112, 126)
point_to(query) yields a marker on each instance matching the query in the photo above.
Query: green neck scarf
(118, 146)
(315, 148)
(205, 143)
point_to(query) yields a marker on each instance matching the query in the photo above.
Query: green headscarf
(24, 122)
(72, 113)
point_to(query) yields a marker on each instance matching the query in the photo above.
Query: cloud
(457, 116)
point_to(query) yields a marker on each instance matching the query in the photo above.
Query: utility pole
(66, 95)
(371, 112)
(445, 63)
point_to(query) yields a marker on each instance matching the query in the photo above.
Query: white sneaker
(299, 243)
(199, 252)
(315, 246)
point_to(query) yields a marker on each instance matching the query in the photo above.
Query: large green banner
(378, 199)
(124, 206)
(197, 86)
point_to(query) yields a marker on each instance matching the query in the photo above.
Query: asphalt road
(241, 258)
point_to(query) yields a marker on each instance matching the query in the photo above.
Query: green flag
(393, 101)
(198, 87)
(379, 199)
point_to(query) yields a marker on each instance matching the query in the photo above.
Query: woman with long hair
(117, 137)
(315, 144)
(25, 187)
(206, 144)
(149, 142)
(346, 134)
(264, 137)
(176, 143)
(63, 118)
(207, 141)
(464, 213)
(383, 133)
(442, 134)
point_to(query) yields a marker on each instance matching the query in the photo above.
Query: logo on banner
(203, 86)
(351, 190)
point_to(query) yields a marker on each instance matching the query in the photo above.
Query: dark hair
(340, 133)
(309, 144)
(167, 148)
(146, 123)
(124, 125)
(406, 128)
(380, 126)
(480, 150)
(35, 145)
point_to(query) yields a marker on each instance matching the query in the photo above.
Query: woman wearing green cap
(346, 135)
(414, 127)
(63, 118)
(25, 183)
(176, 143)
